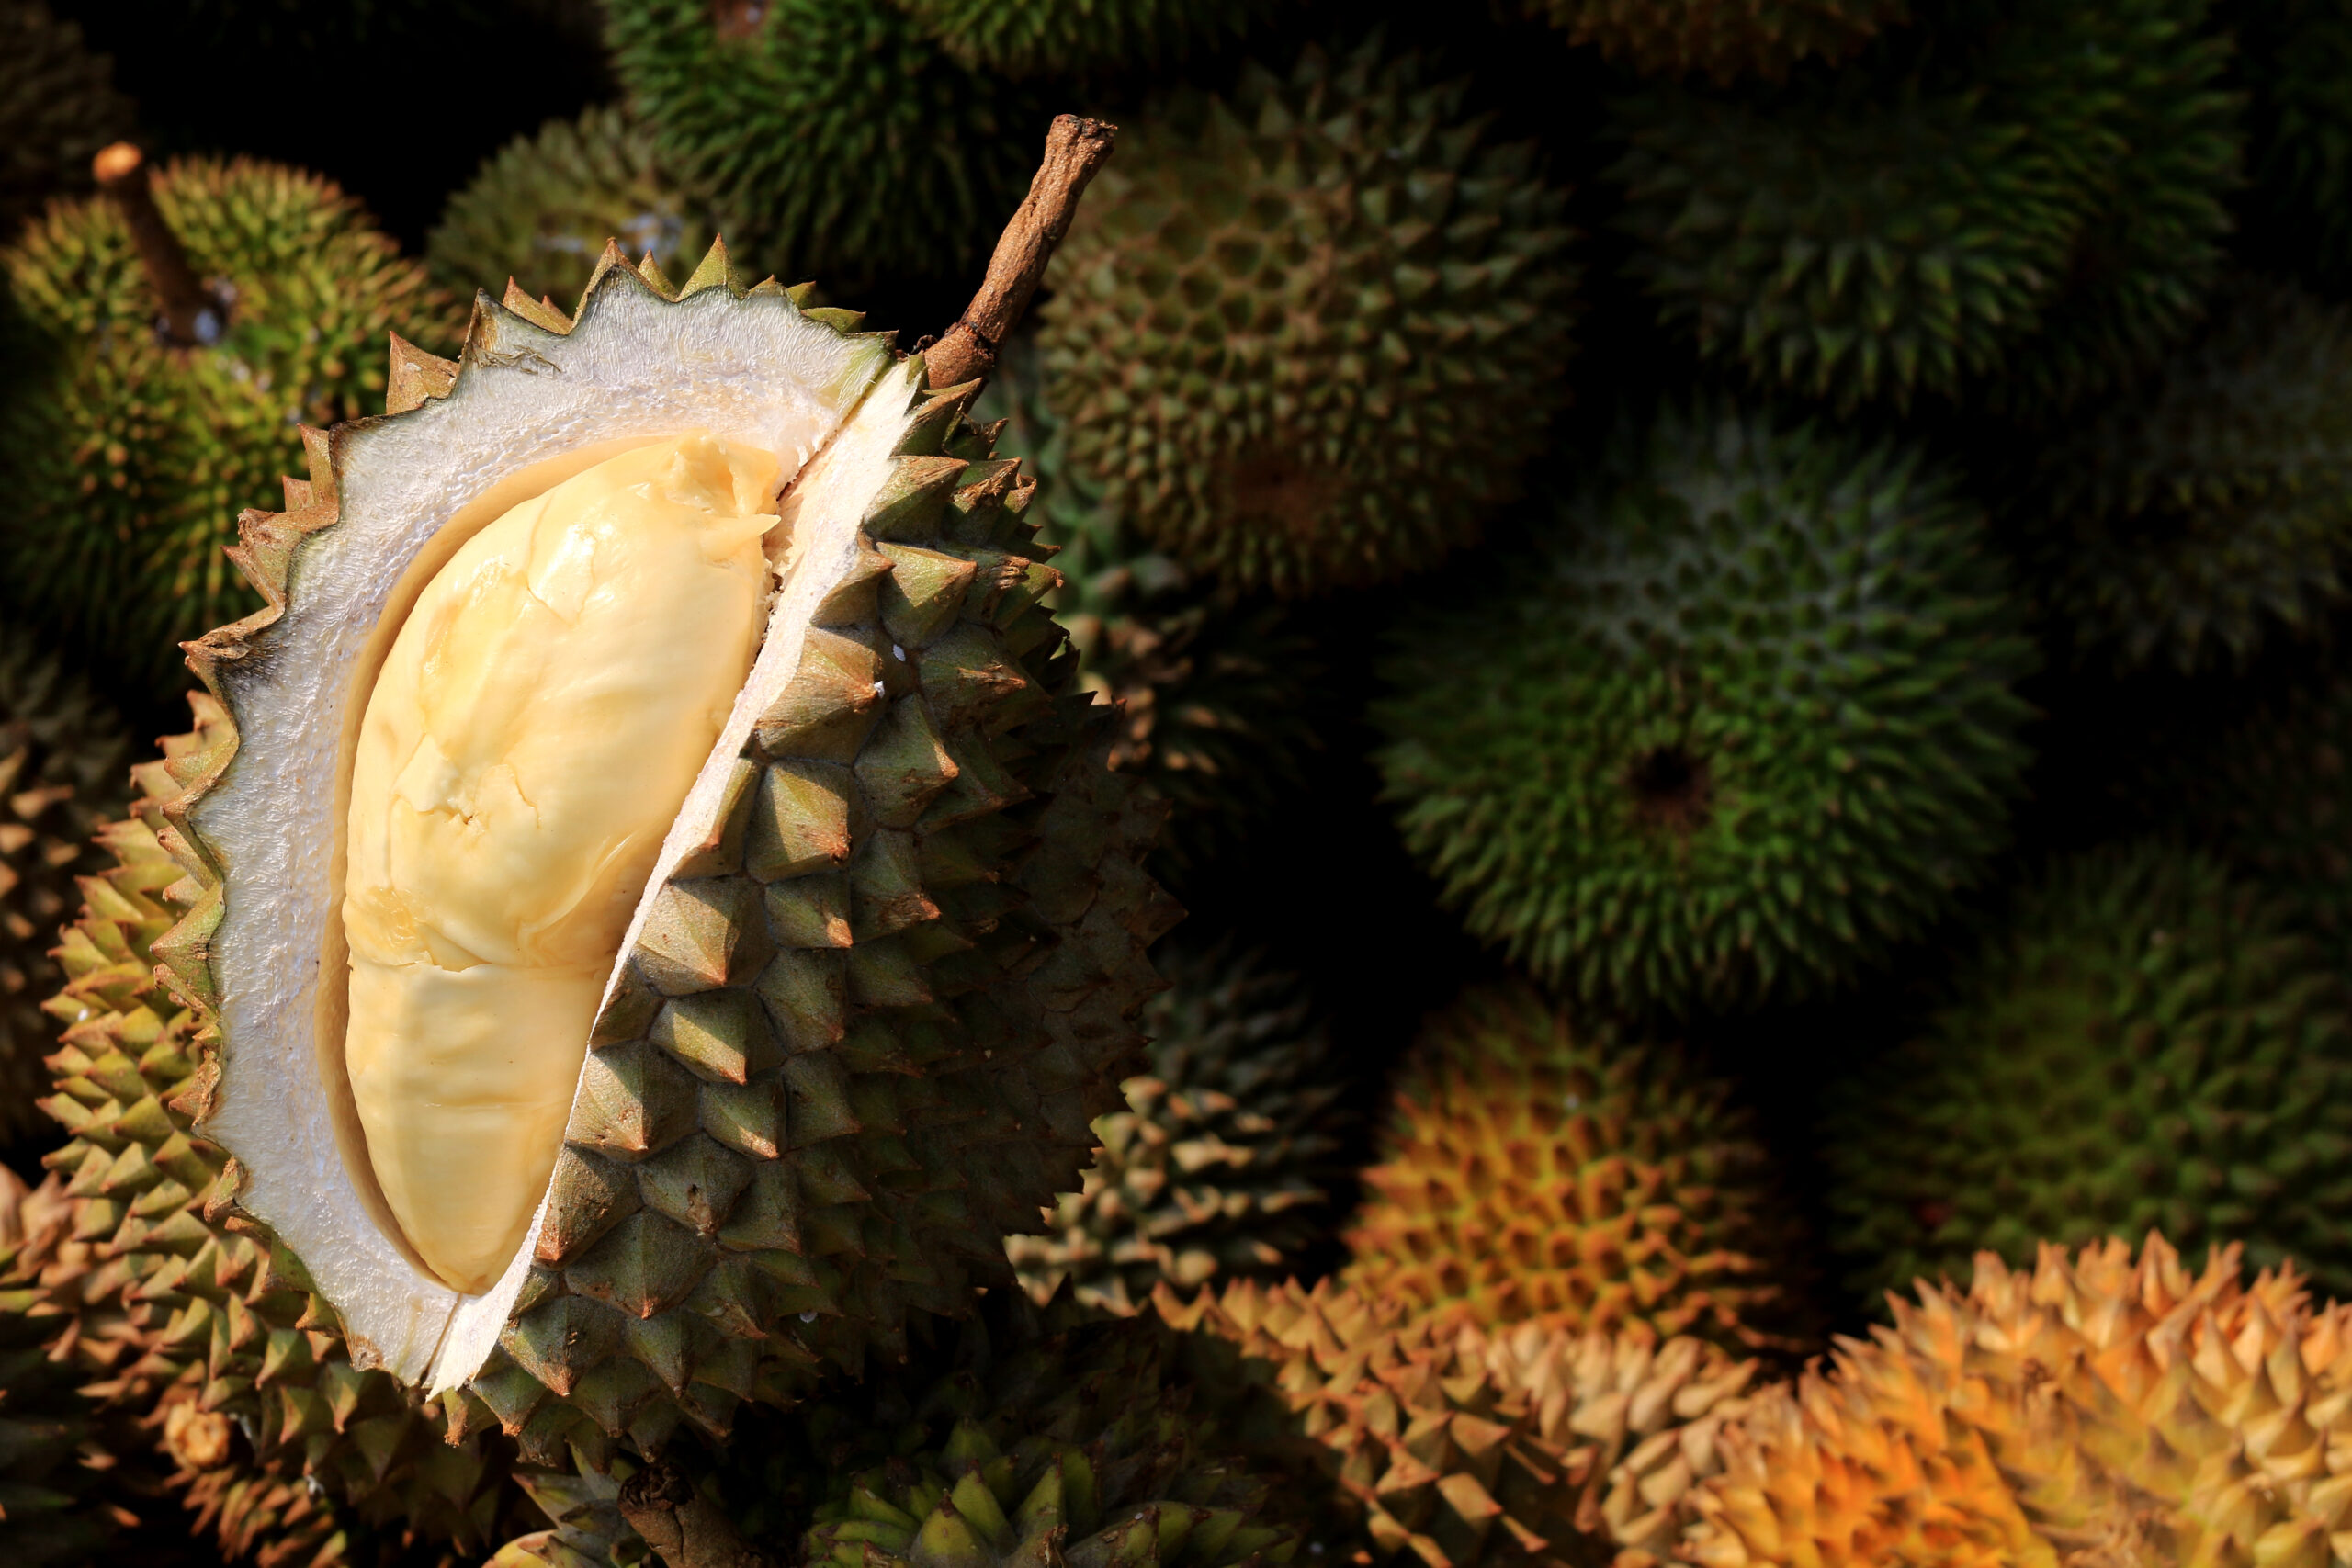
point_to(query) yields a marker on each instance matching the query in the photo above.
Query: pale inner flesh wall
(534, 729)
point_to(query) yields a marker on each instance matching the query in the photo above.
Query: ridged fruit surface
(2208, 507)
(540, 211)
(1254, 335)
(1536, 1170)
(58, 106)
(1741, 717)
(1725, 41)
(2087, 1409)
(829, 136)
(1222, 1162)
(54, 1463)
(65, 762)
(2139, 1044)
(135, 457)
(1457, 1445)
(1042, 35)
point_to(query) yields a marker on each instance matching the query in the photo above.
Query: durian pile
(1137, 785)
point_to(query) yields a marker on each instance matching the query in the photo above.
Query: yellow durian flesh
(534, 729)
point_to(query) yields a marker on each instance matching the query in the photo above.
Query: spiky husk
(542, 209)
(1748, 38)
(58, 106)
(1257, 337)
(2031, 213)
(2297, 58)
(829, 136)
(1743, 720)
(1223, 1160)
(587, 1531)
(63, 764)
(1045, 36)
(2208, 507)
(2089, 1409)
(1453, 1445)
(1216, 690)
(163, 1295)
(133, 459)
(2141, 1044)
(1536, 1170)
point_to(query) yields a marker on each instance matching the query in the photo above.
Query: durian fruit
(1457, 1445)
(829, 136)
(540, 212)
(2028, 205)
(64, 762)
(1258, 337)
(2209, 505)
(586, 1529)
(2141, 1043)
(883, 969)
(1752, 38)
(1744, 719)
(50, 1510)
(1534, 1170)
(131, 456)
(1044, 36)
(2296, 56)
(58, 106)
(2087, 1409)
(1223, 1160)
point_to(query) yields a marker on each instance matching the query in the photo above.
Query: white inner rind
(634, 366)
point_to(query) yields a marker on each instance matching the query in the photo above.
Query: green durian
(540, 211)
(2141, 1043)
(828, 135)
(1257, 342)
(58, 106)
(1223, 1162)
(1753, 37)
(1042, 35)
(2207, 506)
(1741, 717)
(64, 766)
(2023, 201)
(133, 457)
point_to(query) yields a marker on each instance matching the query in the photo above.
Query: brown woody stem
(191, 316)
(1075, 148)
(685, 1528)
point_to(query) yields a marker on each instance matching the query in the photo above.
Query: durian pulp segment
(540, 718)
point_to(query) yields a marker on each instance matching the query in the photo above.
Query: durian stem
(685, 1528)
(1075, 148)
(192, 317)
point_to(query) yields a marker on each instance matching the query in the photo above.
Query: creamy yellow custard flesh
(533, 730)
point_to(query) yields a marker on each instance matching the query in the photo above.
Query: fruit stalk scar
(192, 316)
(540, 718)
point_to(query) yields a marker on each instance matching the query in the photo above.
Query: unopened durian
(829, 136)
(58, 106)
(132, 456)
(1742, 720)
(1222, 1162)
(2296, 58)
(2141, 1043)
(540, 211)
(1756, 38)
(1536, 1172)
(1458, 1446)
(2087, 1409)
(52, 1508)
(1259, 338)
(1041, 35)
(64, 760)
(2209, 505)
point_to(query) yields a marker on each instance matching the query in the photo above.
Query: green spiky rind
(1222, 1163)
(585, 1529)
(58, 106)
(222, 1305)
(2032, 213)
(2142, 1044)
(63, 764)
(1536, 1170)
(541, 210)
(2208, 507)
(2297, 56)
(1045, 36)
(1751, 38)
(1258, 337)
(829, 136)
(1216, 690)
(1813, 631)
(136, 458)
